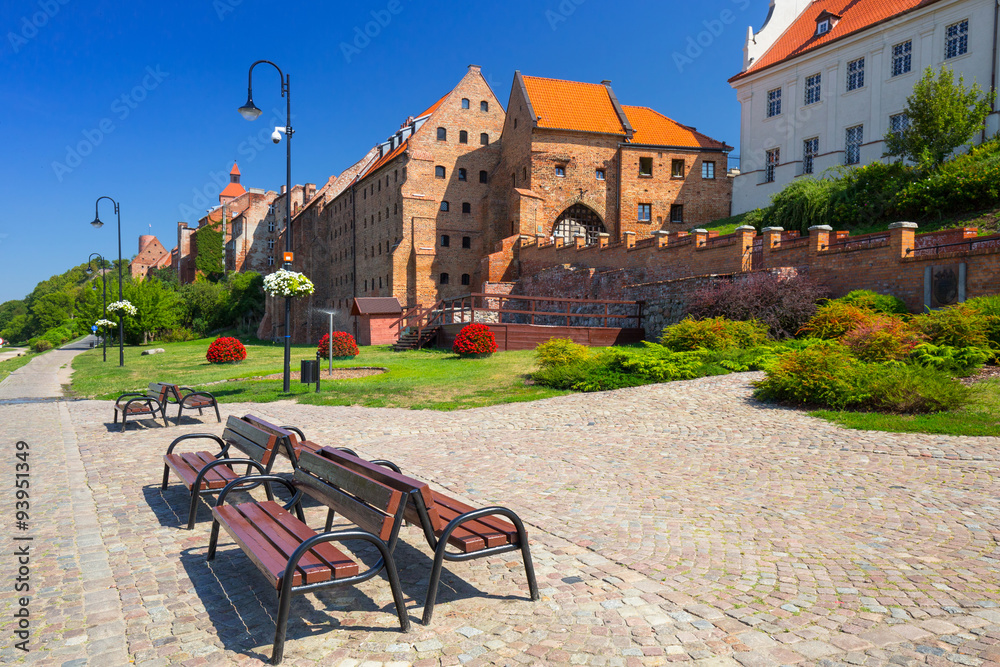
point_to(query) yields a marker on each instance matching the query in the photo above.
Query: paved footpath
(673, 523)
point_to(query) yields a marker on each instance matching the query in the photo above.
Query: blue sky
(138, 100)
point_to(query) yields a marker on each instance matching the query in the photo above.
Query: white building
(824, 80)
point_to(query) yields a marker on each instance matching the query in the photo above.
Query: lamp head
(97, 223)
(250, 110)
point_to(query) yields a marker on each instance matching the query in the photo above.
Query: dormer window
(822, 27)
(825, 22)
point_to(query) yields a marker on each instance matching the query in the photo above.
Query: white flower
(104, 323)
(288, 283)
(124, 307)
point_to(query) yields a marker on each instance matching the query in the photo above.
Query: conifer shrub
(713, 333)
(959, 326)
(226, 350)
(959, 361)
(560, 352)
(834, 319)
(343, 344)
(474, 340)
(882, 338)
(875, 302)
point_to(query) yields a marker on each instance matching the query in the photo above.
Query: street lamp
(251, 112)
(97, 225)
(104, 279)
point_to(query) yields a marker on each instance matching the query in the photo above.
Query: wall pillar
(700, 237)
(628, 238)
(746, 234)
(579, 240)
(901, 238)
(662, 238)
(602, 240)
(819, 238)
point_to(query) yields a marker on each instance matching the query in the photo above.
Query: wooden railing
(466, 308)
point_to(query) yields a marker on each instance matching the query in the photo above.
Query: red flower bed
(226, 350)
(474, 340)
(343, 345)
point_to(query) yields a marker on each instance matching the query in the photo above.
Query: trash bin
(310, 371)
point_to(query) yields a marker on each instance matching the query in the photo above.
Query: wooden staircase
(415, 339)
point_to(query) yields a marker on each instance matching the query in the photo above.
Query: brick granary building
(440, 208)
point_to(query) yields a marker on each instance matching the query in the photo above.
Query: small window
(443, 279)
(773, 102)
(823, 27)
(813, 88)
(466, 241)
(899, 123)
(466, 279)
(956, 41)
(810, 148)
(708, 170)
(483, 177)
(524, 174)
(853, 138)
(445, 206)
(465, 102)
(270, 261)
(645, 212)
(463, 137)
(270, 226)
(561, 171)
(439, 172)
(677, 168)
(466, 207)
(445, 241)
(677, 213)
(771, 161)
(270, 209)
(484, 139)
(461, 174)
(270, 244)
(645, 166)
(442, 134)
(856, 74)
(484, 106)
(599, 174)
(902, 58)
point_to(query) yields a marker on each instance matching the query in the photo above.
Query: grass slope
(10, 365)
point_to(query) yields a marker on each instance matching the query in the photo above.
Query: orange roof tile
(377, 164)
(235, 169)
(233, 190)
(653, 128)
(570, 105)
(433, 107)
(856, 15)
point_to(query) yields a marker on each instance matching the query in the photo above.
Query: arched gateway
(578, 219)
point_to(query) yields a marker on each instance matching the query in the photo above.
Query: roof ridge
(546, 78)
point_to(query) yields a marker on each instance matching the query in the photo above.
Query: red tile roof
(571, 105)
(233, 190)
(652, 127)
(391, 155)
(433, 107)
(856, 15)
(235, 169)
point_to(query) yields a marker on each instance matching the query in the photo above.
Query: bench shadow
(146, 424)
(190, 420)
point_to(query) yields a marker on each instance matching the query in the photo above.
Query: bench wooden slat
(188, 465)
(253, 449)
(493, 523)
(357, 512)
(374, 493)
(268, 559)
(311, 568)
(472, 535)
(341, 564)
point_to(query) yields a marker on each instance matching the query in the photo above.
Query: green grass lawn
(11, 365)
(981, 417)
(726, 225)
(432, 379)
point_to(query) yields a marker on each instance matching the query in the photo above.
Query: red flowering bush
(226, 350)
(474, 340)
(343, 345)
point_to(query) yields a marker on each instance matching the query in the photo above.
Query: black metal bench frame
(181, 399)
(150, 403)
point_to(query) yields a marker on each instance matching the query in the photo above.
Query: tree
(210, 252)
(157, 307)
(53, 310)
(942, 116)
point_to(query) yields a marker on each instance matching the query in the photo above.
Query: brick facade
(152, 255)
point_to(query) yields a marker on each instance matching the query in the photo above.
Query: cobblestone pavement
(678, 522)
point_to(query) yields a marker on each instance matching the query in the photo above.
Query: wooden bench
(294, 558)
(474, 533)
(194, 400)
(204, 472)
(299, 443)
(153, 402)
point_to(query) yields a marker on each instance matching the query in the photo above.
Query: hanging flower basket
(123, 307)
(288, 283)
(105, 324)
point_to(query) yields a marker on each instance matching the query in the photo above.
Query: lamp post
(97, 225)
(251, 112)
(104, 279)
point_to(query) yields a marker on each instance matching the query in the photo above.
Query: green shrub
(834, 319)
(177, 335)
(41, 345)
(909, 389)
(560, 352)
(875, 302)
(803, 203)
(989, 307)
(617, 367)
(954, 360)
(714, 333)
(867, 194)
(967, 183)
(957, 326)
(882, 338)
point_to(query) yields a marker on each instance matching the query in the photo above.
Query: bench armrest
(148, 400)
(380, 462)
(131, 393)
(296, 430)
(185, 397)
(223, 447)
(253, 481)
(442, 544)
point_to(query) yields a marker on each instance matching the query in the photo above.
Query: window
(483, 176)
(561, 170)
(270, 244)
(856, 74)
(599, 174)
(466, 279)
(442, 134)
(463, 137)
(445, 206)
(902, 58)
(810, 147)
(645, 212)
(708, 170)
(823, 27)
(854, 136)
(813, 85)
(771, 160)
(645, 166)
(899, 123)
(270, 226)
(270, 261)
(465, 102)
(445, 241)
(677, 213)
(773, 102)
(524, 174)
(677, 168)
(466, 241)
(466, 207)
(484, 106)
(439, 172)
(461, 174)
(443, 279)
(270, 209)
(484, 139)
(956, 40)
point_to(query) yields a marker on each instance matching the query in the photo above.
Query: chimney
(606, 82)
(310, 191)
(474, 68)
(284, 189)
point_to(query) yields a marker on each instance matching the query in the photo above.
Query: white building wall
(838, 109)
